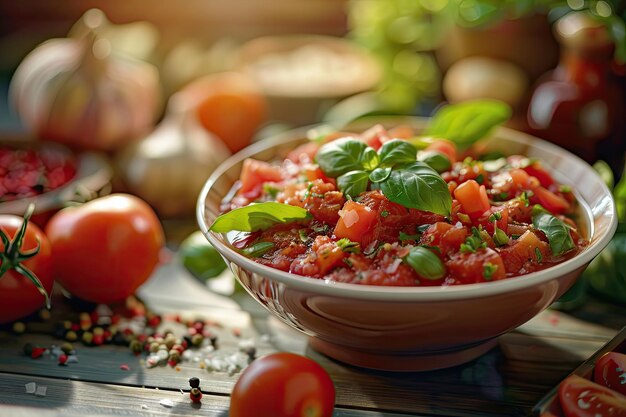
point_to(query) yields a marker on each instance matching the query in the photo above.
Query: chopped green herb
(422, 228)
(494, 217)
(271, 191)
(321, 229)
(480, 179)
(523, 197)
(499, 237)
(565, 188)
(304, 237)
(464, 218)
(308, 191)
(473, 242)
(348, 246)
(488, 270)
(538, 255)
(257, 250)
(403, 237)
(384, 213)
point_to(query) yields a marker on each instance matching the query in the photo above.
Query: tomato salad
(387, 207)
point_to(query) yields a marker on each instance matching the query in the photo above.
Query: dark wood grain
(507, 381)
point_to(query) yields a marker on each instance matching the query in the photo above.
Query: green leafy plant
(426, 263)
(393, 170)
(556, 231)
(258, 216)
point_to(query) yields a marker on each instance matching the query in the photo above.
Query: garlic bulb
(169, 166)
(78, 92)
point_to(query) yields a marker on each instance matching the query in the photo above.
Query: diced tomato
(375, 136)
(527, 250)
(329, 255)
(446, 237)
(550, 201)
(402, 132)
(254, 174)
(356, 223)
(580, 397)
(486, 218)
(537, 171)
(304, 153)
(445, 147)
(313, 172)
(522, 180)
(473, 197)
(473, 267)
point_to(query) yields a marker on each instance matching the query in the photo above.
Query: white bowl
(413, 328)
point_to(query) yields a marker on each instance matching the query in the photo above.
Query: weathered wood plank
(65, 398)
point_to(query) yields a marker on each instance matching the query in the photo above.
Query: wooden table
(507, 381)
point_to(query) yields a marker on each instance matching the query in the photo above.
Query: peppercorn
(63, 359)
(194, 382)
(195, 395)
(71, 336)
(67, 348)
(87, 338)
(19, 327)
(197, 339)
(119, 338)
(136, 347)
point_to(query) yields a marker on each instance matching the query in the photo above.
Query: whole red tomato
(21, 295)
(583, 398)
(105, 249)
(283, 385)
(610, 371)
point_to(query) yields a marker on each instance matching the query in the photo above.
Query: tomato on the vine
(283, 385)
(105, 249)
(26, 276)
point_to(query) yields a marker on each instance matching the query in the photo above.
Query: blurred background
(249, 68)
(162, 92)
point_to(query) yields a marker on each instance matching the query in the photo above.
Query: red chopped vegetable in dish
(382, 210)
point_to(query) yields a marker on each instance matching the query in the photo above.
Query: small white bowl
(413, 328)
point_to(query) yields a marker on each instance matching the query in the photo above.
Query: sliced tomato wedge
(581, 397)
(550, 201)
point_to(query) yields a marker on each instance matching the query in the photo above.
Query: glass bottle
(580, 105)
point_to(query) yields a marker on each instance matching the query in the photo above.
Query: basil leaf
(345, 155)
(556, 231)
(436, 160)
(257, 250)
(380, 174)
(426, 263)
(418, 186)
(396, 152)
(258, 216)
(464, 123)
(353, 183)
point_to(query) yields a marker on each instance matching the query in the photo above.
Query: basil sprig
(464, 123)
(393, 170)
(258, 216)
(426, 263)
(556, 231)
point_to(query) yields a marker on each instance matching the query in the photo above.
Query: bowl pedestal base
(401, 363)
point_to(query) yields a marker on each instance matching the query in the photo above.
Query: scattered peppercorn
(19, 327)
(194, 382)
(195, 395)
